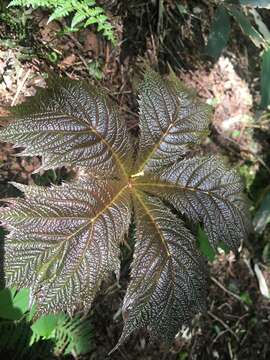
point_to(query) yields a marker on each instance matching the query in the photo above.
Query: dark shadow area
(165, 28)
(7, 309)
(139, 21)
(14, 342)
(14, 339)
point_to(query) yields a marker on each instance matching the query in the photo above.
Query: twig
(226, 290)
(75, 41)
(230, 351)
(83, 61)
(20, 87)
(218, 336)
(223, 324)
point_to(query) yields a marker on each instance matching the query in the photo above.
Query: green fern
(68, 335)
(85, 13)
(72, 336)
(51, 335)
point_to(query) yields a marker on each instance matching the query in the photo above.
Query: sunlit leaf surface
(205, 191)
(65, 240)
(168, 279)
(170, 120)
(71, 123)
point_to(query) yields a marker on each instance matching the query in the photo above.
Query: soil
(237, 323)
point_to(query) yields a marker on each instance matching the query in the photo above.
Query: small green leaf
(52, 57)
(7, 308)
(247, 28)
(266, 254)
(236, 133)
(95, 70)
(262, 27)
(262, 216)
(217, 329)
(256, 3)
(30, 315)
(182, 8)
(204, 245)
(248, 173)
(219, 33)
(45, 325)
(21, 300)
(265, 79)
(183, 355)
(246, 298)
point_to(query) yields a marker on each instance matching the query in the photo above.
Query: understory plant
(85, 13)
(66, 239)
(23, 337)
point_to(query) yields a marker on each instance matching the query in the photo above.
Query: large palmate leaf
(205, 191)
(66, 238)
(170, 120)
(168, 279)
(66, 241)
(71, 123)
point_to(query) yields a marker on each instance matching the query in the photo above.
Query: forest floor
(237, 324)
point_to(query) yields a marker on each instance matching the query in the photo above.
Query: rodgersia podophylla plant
(65, 240)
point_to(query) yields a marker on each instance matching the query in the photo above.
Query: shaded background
(232, 73)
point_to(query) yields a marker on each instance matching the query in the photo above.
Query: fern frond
(85, 13)
(66, 334)
(73, 335)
